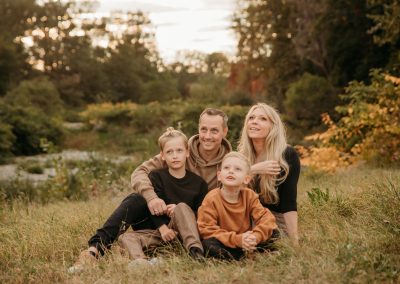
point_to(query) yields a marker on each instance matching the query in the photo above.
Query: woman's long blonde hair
(275, 145)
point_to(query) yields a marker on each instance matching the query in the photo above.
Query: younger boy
(182, 191)
(231, 219)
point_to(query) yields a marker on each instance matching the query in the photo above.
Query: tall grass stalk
(352, 236)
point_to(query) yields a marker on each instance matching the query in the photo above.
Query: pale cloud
(202, 25)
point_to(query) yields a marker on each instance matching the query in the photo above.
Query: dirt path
(10, 171)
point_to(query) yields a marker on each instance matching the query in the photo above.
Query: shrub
(28, 126)
(39, 93)
(151, 116)
(110, 113)
(306, 99)
(370, 123)
(236, 115)
(7, 138)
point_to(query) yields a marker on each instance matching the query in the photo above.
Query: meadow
(349, 233)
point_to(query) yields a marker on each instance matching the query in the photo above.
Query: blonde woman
(275, 165)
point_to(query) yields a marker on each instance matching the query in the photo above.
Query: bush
(370, 123)
(119, 113)
(28, 125)
(39, 93)
(236, 115)
(7, 138)
(151, 116)
(306, 99)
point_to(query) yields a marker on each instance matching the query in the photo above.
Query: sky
(202, 25)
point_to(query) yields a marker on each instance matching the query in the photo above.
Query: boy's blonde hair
(240, 156)
(169, 134)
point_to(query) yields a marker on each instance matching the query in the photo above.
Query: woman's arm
(269, 167)
(291, 225)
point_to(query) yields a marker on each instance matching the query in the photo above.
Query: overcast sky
(201, 25)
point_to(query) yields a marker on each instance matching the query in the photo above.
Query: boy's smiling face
(175, 153)
(234, 172)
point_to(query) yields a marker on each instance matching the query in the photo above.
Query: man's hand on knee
(157, 206)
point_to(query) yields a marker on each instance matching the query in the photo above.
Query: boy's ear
(162, 156)
(247, 179)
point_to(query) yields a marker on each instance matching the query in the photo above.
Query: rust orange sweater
(228, 221)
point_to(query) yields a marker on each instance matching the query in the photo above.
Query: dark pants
(132, 211)
(214, 248)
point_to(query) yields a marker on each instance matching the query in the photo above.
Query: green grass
(349, 230)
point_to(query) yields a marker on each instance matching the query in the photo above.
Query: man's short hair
(214, 111)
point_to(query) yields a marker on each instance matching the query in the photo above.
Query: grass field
(349, 229)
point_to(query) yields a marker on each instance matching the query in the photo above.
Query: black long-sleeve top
(191, 189)
(287, 190)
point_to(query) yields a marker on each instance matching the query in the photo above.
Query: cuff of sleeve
(238, 240)
(149, 194)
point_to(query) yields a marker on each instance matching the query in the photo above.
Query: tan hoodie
(207, 170)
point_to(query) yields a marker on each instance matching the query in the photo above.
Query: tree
(39, 93)
(265, 50)
(15, 19)
(386, 29)
(306, 99)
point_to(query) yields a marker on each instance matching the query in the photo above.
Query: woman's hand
(269, 167)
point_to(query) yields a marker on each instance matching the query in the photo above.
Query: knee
(125, 239)
(182, 207)
(135, 199)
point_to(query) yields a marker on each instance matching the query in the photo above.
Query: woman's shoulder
(291, 154)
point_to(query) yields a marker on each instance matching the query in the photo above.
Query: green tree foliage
(28, 126)
(385, 15)
(208, 88)
(38, 93)
(306, 99)
(265, 49)
(281, 40)
(14, 20)
(370, 126)
(7, 139)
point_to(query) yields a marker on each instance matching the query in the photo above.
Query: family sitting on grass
(252, 196)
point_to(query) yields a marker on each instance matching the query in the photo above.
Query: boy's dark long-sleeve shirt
(191, 189)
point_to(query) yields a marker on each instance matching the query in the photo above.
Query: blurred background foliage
(339, 60)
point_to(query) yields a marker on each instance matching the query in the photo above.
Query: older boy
(182, 191)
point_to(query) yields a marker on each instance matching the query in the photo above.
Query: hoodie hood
(207, 170)
(195, 157)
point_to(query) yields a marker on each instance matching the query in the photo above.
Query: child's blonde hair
(169, 134)
(240, 156)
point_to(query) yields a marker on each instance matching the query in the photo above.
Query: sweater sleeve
(156, 182)
(208, 226)
(200, 197)
(288, 189)
(264, 220)
(140, 181)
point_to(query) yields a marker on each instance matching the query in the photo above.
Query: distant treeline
(296, 55)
